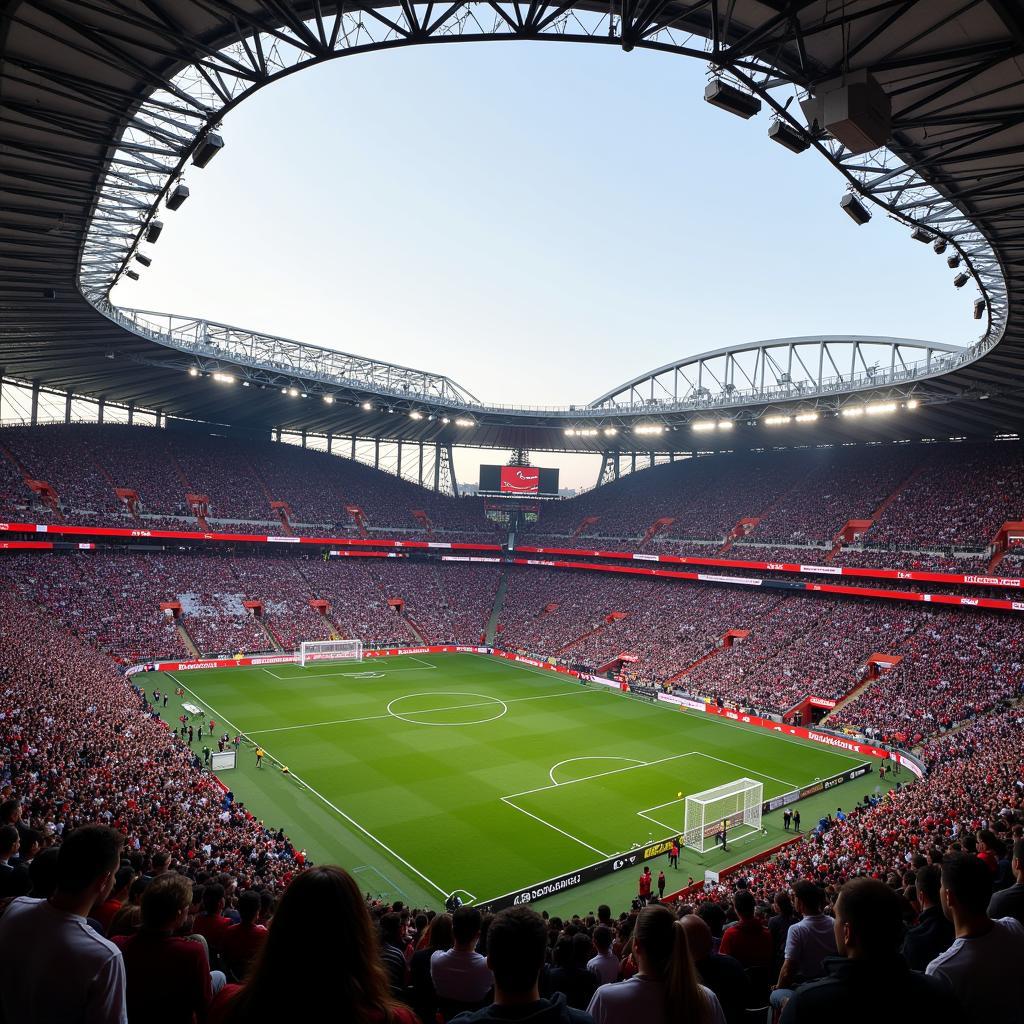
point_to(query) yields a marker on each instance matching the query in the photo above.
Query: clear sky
(539, 221)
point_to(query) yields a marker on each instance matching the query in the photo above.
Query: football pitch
(440, 773)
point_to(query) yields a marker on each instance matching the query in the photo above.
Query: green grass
(463, 772)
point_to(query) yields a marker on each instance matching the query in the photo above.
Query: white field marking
(568, 835)
(303, 676)
(337, 810)
(613, 771)
(420, 661)
(472, 898)
(590, 757)
(387, 881)
(425, 711)
(448, 693)
(749, 771)
(677, 828)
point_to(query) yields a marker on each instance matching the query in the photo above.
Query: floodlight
(367, 407)
(211, 145)
(853, 410)
(143, 259)
(464, 423)
(961, 279)
(919, 234)
(855, 209)
(293, 392)
(131, 274)
(727, 97)
(329, 399)
(913, 403)
(224, 378)
(940, 245)
(178, 196)
(979, 308)
(786, 135)
(953, 261)
(414, 415)
(153, 231)
(702, 426)
(775, 421)
(193, 372)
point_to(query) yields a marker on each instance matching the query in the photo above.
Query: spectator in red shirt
(748, 940)
(322, 951)
(169, 978)
(244, 940)
(105, 912)
(211, 923)
(645, 885)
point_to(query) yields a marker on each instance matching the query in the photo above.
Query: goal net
(736, 806)
(330, 650)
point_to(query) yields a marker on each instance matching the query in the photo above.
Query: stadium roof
(104, 103)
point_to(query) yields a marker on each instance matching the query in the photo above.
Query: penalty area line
(568, 835)
(337, 810)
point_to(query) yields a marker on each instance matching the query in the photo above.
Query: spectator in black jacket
(869, 924)
(1010, 902)
(933, 934)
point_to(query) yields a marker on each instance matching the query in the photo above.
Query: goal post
(736, 804)
(330, 650)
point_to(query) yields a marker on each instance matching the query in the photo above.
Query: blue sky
(539, 221)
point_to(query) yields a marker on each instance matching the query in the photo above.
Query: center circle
(471, 701)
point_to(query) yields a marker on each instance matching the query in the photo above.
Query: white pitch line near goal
(598, 775)
(337, 810)
(568, 835)
(304, 675)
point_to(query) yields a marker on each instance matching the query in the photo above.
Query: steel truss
(771, 60)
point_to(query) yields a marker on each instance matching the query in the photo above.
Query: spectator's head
(809, 898)
(440, 934)
(161, 860)
(714, 915)
(31, 843)
(42, 873)
(249, 906)
(966, 888)
(10, 812)
(743, 903)
(391, 928)
(87, 863)
(466, 927)
(166, 902)
(603, 938)
(869, 919)
(698, 934)
(9, 841)
(321, 950)
(563, 955)
(927, 883)
(516, 942)
(1018, 860)
(582, 949)
(783, 904)
(213, 898)
(604, 913)
(661, 950)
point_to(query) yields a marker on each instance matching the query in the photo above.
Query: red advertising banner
(520, 480)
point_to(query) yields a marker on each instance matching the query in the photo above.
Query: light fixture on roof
(919, 234)
(445, 420)
(940, 245)
(293, 392)
(211, 145)
(725, 424)
(953, 261)
(806, 417)
(853, 410)
(177, 196)
(727, 97)
(913, 403)
(703, 426)
(462, 422)
(880, 408)
(610, 431)
(193, 372)
(329, 399)
(223, 378)
(854, 209)
(775, 421)
(143, 259)
(786, 135)
(979, 308)
(961, 279)
(366, 407)
(131, 273)
(414, 415)
(153, 231)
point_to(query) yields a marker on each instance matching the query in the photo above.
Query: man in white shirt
(53, 966)
(605, 966)
(808, 943)
(984, 964)
(461, 974)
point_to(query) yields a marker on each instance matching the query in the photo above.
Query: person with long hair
(321, 951)
(665, 989)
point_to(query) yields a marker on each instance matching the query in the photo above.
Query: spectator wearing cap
(1010, 902)
(933, 933)
(868, 927)
(984, 964)
(53, 965)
